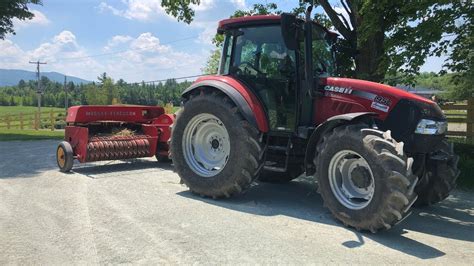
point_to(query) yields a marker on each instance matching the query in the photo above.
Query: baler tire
(389, 169)
(293, 172)
(245, 159)
(162, 158)
(64, 152)
(440, 177)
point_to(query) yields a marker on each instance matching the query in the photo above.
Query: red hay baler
(98, 133)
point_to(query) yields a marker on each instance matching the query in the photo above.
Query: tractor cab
(268, 55)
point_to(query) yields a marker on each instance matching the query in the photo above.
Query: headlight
(431, 127)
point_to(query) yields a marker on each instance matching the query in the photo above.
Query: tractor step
(274, 169)
(276, 166)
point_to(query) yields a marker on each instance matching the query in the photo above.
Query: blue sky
(142, 41)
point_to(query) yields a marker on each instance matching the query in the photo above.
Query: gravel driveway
(138, 212)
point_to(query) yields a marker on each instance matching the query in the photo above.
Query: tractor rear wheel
(439, 177)
(215, 151)
(364, 177)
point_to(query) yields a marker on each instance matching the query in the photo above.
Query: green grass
(13, 110)
(13, 134)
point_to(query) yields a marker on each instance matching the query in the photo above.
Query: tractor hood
(374, 88)
(379, 98)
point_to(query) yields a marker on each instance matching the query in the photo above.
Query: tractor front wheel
(364, 178)
(215, 151)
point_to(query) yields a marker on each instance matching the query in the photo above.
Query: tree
(10, 9)
(391, 36)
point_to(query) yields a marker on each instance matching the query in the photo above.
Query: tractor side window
(323, 57)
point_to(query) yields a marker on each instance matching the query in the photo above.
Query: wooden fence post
(37, 120)
(470, 119)
(51, 117)
(21, 121)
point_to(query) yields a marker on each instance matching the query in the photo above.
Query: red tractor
(274, 112)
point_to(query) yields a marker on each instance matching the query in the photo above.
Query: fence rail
(463, 119)
(45, 120)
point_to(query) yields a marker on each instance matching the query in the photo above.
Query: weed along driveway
(137, 211)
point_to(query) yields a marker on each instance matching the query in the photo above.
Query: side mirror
(288, 30)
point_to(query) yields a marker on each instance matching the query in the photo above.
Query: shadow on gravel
(453, 218)
(91, 170)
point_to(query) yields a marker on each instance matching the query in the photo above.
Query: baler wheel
(64, 156)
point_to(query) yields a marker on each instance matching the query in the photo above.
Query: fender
(326, 126)
(248, 105)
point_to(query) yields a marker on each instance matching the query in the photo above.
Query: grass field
(16, 134)
(13, 110)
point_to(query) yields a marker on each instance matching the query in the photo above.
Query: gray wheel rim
(342, 174)
(206, 145)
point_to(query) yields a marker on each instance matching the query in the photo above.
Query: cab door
(261, 60)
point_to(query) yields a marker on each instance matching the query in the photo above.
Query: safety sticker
(380, 106)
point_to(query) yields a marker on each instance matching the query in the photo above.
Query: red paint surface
(330, 104)
(125, 113)
(249, 97)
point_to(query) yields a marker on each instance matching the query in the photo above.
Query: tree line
(104, 91)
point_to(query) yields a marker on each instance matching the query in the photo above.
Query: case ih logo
(111, 113)
(338, 89)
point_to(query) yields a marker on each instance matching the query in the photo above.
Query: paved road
(124, 212)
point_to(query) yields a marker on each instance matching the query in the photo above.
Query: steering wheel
(249, 65)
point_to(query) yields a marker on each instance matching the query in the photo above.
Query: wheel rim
(351, 179)
(206, 145)
(61, 157)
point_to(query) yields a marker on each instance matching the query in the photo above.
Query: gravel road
(138, 212)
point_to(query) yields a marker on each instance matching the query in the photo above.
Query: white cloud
(239, 4)
(147, 10)
(39, 19)
(142, 10)
(116, 41)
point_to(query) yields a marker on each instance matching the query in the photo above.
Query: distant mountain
(11, 77)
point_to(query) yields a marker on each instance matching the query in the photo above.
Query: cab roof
(226, 24)
(247, 21)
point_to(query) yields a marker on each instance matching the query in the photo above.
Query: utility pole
(38, 63)
(65, 94)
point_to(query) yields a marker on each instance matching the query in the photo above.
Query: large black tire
(439, 177)
(245, 160)
(294, 170)
(394, 183)
(64, 156)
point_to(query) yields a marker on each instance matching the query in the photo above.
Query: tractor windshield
(259, 57)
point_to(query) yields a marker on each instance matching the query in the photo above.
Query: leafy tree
(212, 63)
(10, 9)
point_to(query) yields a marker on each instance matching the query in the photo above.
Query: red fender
(245, 99)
